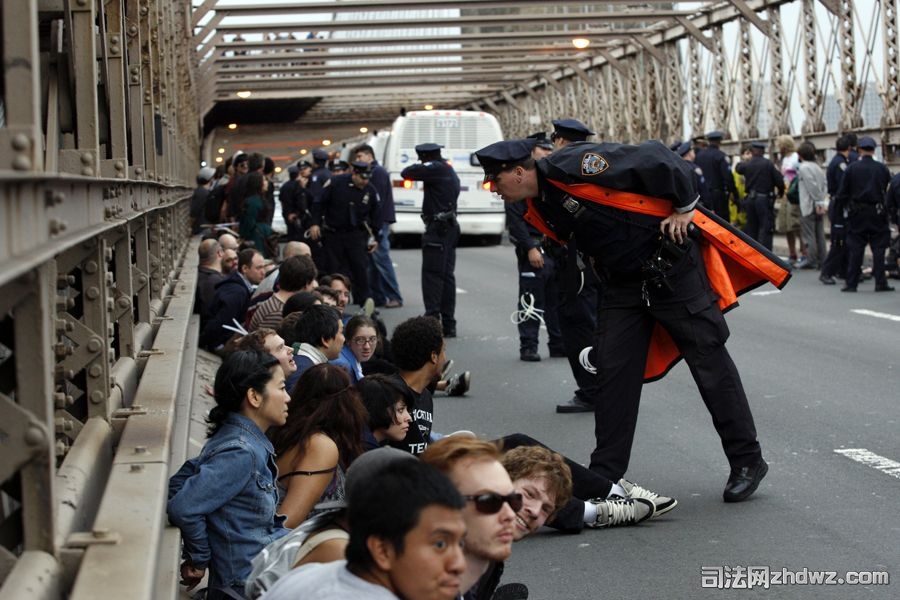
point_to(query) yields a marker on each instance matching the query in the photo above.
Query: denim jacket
(224, 501)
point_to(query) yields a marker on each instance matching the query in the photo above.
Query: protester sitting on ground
(223, 500)
(209, 274)
(322, 436)
(388, 417)
(360, 339)
(320, 335)
(269, 342)
(474, 467)
(229, 261)
(300, 302)
(406, 540)
(329, 296)
(298, 274)
(231, 299)
(270, 283)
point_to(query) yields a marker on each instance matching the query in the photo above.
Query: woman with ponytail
(224, 500)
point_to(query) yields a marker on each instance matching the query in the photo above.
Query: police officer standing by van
(441, 192)
(346, 219)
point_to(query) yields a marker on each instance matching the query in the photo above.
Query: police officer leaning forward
(862, 198)
(345, 219)
(651, 277)
(761, 179)
(441, 187)
(717, 173)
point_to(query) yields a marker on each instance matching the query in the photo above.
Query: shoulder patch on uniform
(593, 164)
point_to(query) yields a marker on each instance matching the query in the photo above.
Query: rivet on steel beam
(137, 468)
(90, 266)
(34, 435)
(92, 293)
(95, 371)
(124, 303)
(63, 373)
(94, 344)
(20, 142)
(140, 449)
(55, 226)
(97, 397)
(21, 163)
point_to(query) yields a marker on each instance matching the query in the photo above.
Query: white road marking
(877, 315)
(870, 459)
(765, 293)
(461, 291)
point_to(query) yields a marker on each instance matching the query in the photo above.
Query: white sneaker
(663, 504)
(458, 384)
(621, 511)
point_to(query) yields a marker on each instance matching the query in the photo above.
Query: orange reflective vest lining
(734, 263)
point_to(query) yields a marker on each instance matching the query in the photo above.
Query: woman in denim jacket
(223, 501)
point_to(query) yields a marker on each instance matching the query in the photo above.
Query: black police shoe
(827, 280)
(529, 356)
(575, 405)
(558, 353)
(884, 288)
(744, 481)
(449, 331)
(848, 288)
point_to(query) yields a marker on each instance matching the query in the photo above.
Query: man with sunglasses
(441, 192)
(474, 467)
(345, 219)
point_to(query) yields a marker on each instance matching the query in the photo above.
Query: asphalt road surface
(821, 370)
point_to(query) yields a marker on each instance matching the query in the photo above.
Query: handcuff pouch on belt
(657, 269)
(441, 221)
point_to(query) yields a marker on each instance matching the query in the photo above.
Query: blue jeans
(382, 279)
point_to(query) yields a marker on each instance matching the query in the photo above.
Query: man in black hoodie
(231, 299)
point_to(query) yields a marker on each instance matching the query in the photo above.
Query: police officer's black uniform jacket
(345, 208)
(441, 189)
(761, 176)
(863, 188)
(623, 245)
(719, 180)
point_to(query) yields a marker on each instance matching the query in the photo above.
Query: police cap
(293, 170)
(758, 145)
(339, 165)
(361, 168)
(320, 155)
(715, 135)
(304, 164)
(683, 148)
(674, 147)
(541, 140)
(867, 143)
(428, 148)
(570, 129)
(502, 156)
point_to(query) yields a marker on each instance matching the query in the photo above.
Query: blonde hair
(785, 144)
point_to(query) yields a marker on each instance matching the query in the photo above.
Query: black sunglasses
(491, 502)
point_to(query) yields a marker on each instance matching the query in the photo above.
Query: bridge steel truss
(737, 68)
(99, 136)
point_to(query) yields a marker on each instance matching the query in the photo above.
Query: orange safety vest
(733, 264)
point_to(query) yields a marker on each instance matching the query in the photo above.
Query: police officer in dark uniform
(651, 275)
(441, 192)
(346, 218)
(293, 204)
(686, 151)
(862, 198)
(538, 293)
(836, 261)
(761, 180)
(717, 172)
(315, 186)
(578, 292)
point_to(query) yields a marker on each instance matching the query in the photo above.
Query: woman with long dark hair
(224, 500)
(389, 417)
(253, 215)
(322, 436)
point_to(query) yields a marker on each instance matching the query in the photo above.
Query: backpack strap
(313, 542)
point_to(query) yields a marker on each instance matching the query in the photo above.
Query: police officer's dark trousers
(438, 265)
(691, 316)
(346, 253)
(538, 289)
(866, 226)
(578, 297)
(760, 209)
(719, 201)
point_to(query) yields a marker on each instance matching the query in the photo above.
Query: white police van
(479, 211)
